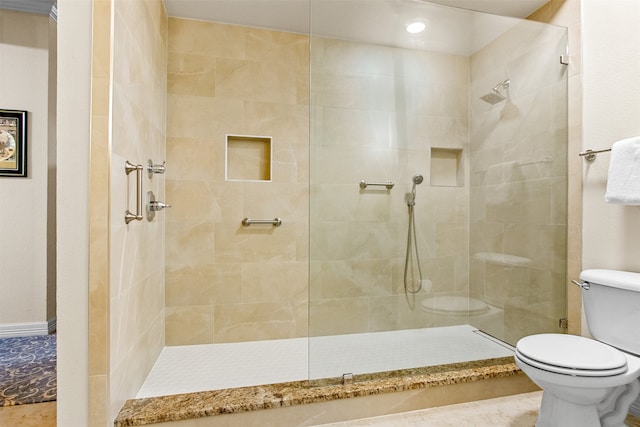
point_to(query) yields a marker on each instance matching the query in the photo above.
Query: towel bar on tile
(590, 155)
(276, 222)
(364, 184)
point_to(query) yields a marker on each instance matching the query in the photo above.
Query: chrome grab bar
(276, 222)
(129, 216)
(364, 184)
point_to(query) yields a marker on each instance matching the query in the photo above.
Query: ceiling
(456, 30)
(206, 8)
(453, 28)
(292, 15)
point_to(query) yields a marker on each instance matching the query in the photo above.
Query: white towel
(623, 184)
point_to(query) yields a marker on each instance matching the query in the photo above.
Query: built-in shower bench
(307, 403)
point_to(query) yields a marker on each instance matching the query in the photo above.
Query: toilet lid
(452, 304)
(572, 353)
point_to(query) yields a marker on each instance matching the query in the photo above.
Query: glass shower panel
(519, 180)
(387, 106)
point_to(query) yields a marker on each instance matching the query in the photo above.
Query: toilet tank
(612, 307)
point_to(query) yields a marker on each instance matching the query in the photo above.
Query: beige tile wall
(136, 250)
(224, 282)
(99, 316)
(519, 184)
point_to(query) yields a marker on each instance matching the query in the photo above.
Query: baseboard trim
(27, 329)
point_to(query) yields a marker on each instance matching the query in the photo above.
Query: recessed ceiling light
(416, 27)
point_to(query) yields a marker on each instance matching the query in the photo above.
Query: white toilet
(590, 382)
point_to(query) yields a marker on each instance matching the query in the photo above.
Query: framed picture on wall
(13, 143)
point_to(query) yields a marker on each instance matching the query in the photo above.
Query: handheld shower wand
(412, 241)
(417, 180)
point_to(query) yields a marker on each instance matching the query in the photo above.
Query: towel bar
(590, 155)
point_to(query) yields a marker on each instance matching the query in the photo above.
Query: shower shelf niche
(446, 167)
(248, 158)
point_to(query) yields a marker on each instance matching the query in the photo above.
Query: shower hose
(412, 249)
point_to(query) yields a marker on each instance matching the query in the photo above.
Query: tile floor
(512, 411)
(33, 415)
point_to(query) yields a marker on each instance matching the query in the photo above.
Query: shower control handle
(155, 168)
(154, 206)
(157, 205)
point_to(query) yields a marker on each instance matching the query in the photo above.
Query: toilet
(590, 382)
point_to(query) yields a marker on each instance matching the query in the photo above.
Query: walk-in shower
(313, 113)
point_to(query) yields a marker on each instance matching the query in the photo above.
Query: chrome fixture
(155, 168)
(584, 285)
(154, 206)
(412, 242)
(364, 184)
(130, 216)
(590, 155)
(495, 96)
(417, 180)
(276, 222)
(347, 378)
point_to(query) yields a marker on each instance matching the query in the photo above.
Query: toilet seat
(571, 355)
(454, 305)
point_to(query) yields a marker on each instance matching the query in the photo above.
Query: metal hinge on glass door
(563, 323)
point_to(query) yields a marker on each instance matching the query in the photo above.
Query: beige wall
(136, 250)
(99, 176)
(224, 282)
(611, 113)
(24, 301)
(126, 311)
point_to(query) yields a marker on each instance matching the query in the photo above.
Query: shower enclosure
(477, 105)
(285, 123)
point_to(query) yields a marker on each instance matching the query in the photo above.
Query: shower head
(495, 96)
(411, 197)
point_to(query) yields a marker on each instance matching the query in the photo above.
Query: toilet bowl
(582, 379)
(589, 382)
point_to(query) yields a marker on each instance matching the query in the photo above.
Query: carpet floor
(27, 370)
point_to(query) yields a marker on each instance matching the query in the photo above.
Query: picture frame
(13, 143)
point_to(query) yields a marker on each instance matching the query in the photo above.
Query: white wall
(611, 69)
(74, 73)
(23, 201)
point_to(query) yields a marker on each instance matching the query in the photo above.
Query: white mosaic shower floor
(186, 369)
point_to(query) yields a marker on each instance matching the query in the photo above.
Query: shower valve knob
(157, 206)
(155, 168)
(154, 206)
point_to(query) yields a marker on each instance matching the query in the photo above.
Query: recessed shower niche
(446, 167)
(248, 158)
